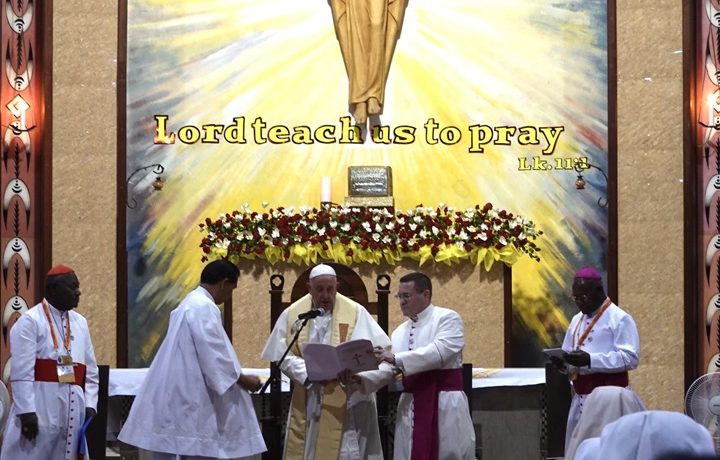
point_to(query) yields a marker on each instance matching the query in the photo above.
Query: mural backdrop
(247, 102)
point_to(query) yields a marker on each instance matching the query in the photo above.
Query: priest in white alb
(433, 417)
(194, 402)
(326, 420)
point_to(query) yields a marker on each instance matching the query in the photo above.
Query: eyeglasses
(404, 295)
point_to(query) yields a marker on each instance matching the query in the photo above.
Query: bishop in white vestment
(433, 418)
(601, 344)
(46, 414)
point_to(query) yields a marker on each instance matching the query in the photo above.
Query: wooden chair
(350, 285)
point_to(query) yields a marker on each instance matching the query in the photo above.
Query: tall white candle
(325, 190)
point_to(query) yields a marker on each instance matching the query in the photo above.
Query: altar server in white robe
(194, 402)
(433, 417)
(601, 344)
(53, 375)
(326, 420)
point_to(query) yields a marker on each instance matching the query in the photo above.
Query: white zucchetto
(322, 269)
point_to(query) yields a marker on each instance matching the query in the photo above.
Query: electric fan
(702, 403)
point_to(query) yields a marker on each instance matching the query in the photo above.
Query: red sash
(585, 384)
(46, 371)
(425, 388)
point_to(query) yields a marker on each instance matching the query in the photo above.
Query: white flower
(275, 233)
(463, 235)
(261, 231)
(390, 226)
(321, 231)
(225, 243)
(401, 221)
(333, 224)
(417, 219)
(386, 239)
(413, 227)
(423, 233)
(502, 240)
(376, 237)
(345, 227)
(211, 236)
(226, 225)
(472, 229)
(366, 226)
(378, 227)
(482, 236)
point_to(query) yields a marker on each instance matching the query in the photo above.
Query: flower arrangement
(351, 235)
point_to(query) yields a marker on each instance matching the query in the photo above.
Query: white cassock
(190, 403)
(434, 341)
(360, 438)
(60, 407)
(613, 345)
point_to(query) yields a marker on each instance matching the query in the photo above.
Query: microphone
(314, 313)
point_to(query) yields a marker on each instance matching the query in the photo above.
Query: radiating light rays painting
(485, 70)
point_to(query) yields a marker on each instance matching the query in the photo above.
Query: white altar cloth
(127, 382)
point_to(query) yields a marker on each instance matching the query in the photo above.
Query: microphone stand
(275, 366)
(274, 432)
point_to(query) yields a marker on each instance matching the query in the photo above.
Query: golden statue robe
(367, 31)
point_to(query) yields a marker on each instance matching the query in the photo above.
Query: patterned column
(22, 115)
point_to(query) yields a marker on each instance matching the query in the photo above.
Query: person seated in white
(603, 406)
(649, 435)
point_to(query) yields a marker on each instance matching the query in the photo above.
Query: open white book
(324, 362)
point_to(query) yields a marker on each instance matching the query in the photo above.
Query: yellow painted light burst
(458, 62)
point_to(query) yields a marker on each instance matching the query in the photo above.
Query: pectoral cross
(357, 357)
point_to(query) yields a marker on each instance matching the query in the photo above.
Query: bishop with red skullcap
(60, 269)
